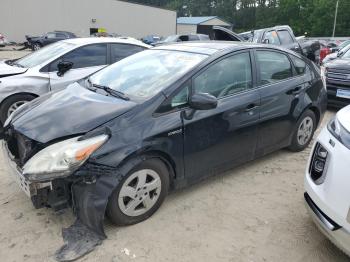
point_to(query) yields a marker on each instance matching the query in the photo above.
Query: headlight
(61, 159)
(339, 132)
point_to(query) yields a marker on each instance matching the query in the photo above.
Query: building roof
(194, 20)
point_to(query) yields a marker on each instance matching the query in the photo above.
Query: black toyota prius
(119, 141)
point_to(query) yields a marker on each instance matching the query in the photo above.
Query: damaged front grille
(21, 147)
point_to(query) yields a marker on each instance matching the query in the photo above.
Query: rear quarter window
(299, 65)
(273, 67)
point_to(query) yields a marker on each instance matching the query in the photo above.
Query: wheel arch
(317, 113)
(153, 153)
(16, 94)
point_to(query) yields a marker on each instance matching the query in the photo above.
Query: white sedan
(327, 181)
(56, 66)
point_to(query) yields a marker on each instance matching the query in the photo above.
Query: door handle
(295, 91)
(251, 107)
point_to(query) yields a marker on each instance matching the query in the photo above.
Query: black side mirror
(266, 41)
(203, 101)
(63, 67)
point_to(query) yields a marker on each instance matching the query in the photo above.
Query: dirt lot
(252, 213)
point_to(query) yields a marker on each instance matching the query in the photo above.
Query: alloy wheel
(15, 106)
(36, 47)
(305, 130)
(140, 192)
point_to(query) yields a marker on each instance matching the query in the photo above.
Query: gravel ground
(252, 213)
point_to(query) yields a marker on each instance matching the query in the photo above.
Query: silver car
(56, 66)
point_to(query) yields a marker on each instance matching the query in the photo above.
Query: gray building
(82, 17)
(199, 25)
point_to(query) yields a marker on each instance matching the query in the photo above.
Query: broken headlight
(339, 132)
(61, 159)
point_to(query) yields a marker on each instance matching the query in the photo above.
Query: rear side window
(299, 65)
(272, 37)
(229, 76)
(120, 51)
(285, 37)
(86, 56)
(273, 67)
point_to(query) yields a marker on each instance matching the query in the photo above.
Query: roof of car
(96, 40)
(212, 47)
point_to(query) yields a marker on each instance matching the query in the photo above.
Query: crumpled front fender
(90, 198)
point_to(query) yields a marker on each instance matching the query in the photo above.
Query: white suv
(327, 181)
(56, 66)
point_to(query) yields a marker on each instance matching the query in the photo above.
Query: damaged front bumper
(31, 189)
(87, 192)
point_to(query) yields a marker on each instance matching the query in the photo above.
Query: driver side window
(86, 56)
(229, 76)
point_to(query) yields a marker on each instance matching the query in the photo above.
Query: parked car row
(37, 42)
(116, 125)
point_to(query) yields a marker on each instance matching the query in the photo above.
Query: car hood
(339, 64)
(72, 111)
(344, 117)
(7, 70)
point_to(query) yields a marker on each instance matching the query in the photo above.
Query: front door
(86, 60)
(227, 135)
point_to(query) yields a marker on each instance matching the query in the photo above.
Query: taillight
(318, 164)
(324, 52)
(1, 37)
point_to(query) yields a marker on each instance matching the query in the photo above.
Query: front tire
(36, 46)
(305, 129)
(139, 195)
(12, 104)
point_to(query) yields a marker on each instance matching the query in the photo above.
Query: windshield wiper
(111, 91)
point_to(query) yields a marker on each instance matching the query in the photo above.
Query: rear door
(225, 136)
(86, 60)
(280, 91)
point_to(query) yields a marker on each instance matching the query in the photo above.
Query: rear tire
(133, 201)
(12, 103)
(304, 132)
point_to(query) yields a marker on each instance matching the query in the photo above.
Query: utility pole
(335, 18)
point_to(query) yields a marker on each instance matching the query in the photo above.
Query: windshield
(42, 55)
(145, 74)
